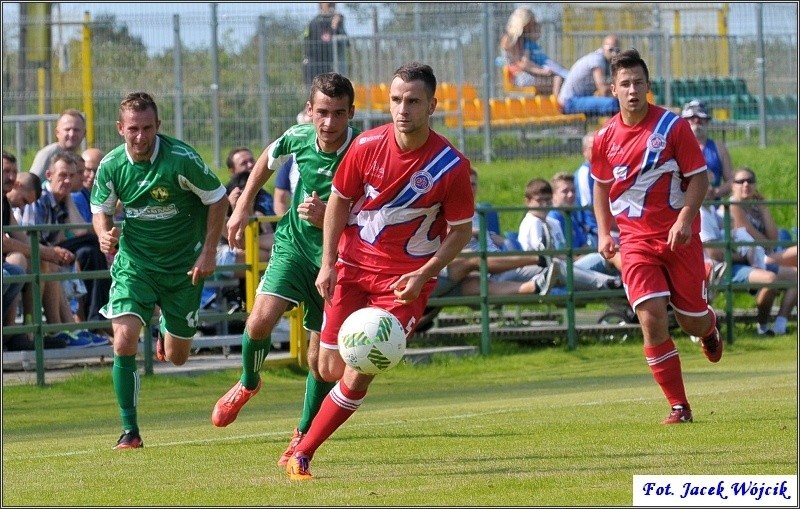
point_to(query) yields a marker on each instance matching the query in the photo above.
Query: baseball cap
(695, 108)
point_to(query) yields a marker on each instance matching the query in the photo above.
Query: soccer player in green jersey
(296, 255)
(174, 214)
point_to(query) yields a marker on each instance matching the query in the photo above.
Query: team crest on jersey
(159, 193)
(656, 142)
(620, 172)
(421, 182)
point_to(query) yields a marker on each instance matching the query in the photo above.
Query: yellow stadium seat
(510, 88)
(360, 101)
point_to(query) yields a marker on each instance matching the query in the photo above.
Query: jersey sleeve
(347, 181)
(599, 168)
(104, 196)
(198, 178)
(459, 206)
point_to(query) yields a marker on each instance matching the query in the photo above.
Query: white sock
(779, 327)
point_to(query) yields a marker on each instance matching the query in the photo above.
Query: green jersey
(165, 201)
(316, 169)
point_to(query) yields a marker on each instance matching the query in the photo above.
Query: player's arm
(206, 263)
(696, 189)
(408, 286)
(336, 214)
(602, 214)
(240, 216)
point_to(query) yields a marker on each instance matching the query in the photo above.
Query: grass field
(536, 427)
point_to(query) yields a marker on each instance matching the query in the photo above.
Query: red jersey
(648, 165)
(402, 201)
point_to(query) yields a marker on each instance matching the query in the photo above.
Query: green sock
(126, 387)
(254, 351)
(316, 391)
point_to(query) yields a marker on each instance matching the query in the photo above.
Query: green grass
(542, 427)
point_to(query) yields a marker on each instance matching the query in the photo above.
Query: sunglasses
(749, 180)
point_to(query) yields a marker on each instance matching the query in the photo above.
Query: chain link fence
(226, 75)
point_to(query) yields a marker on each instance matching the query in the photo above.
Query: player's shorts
(136, 291)
(291, 277)
(650, 269)
(357, 288)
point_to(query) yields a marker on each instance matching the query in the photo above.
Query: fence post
(178, 71)
(726, 227)
(571, 333)
(37, 307)
(484, 270)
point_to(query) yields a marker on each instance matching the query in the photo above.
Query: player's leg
(648, 293)
(256, 342)
(130, 306)
(689, 298)
(125, 376)
(180, 308)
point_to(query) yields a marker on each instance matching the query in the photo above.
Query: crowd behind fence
(242, 84)
(569, 300)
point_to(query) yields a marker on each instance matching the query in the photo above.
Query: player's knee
(330, 366)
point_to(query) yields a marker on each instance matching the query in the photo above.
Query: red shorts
(651, 270)
(357, 288)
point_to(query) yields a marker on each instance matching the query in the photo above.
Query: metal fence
(230, 74)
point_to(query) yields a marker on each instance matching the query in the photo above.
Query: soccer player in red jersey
(651, 177)
(400, 209)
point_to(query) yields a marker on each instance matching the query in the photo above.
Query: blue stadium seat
(512, 241)
(492, 219)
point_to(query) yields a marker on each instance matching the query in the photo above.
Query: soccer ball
(372, 340)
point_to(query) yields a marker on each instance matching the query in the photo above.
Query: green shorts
(136, 291)
(291, 277)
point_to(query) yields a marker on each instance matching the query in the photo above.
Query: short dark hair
(233, 152)
(415, 71)
(538, 186)
(239, 180)
(8, 156)
(30, 182)
(628, 59)
(138, 101)
(333, 85)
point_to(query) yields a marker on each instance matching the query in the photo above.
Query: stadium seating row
(513, 112)
(728, 98)
(375, 97)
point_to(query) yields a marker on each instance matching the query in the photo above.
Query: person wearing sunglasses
(718, 158)
(587, 87)
(749, 213)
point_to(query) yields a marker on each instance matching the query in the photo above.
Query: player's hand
(205, 266)
(407, 288)
(679, 235)
(109, 241)
(236, 225)
(606, 246)
(326, 281)
(312, 210)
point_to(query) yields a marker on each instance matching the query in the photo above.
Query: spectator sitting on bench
(539, 232)
(718, 159)
(564, 196)
(227, 255)
(749, 213)
(587, 88)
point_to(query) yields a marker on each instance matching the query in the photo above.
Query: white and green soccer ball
(372, 340)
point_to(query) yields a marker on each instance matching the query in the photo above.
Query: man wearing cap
(718, 160)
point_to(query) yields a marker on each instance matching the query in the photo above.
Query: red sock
(336, 408)
(665, 363)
